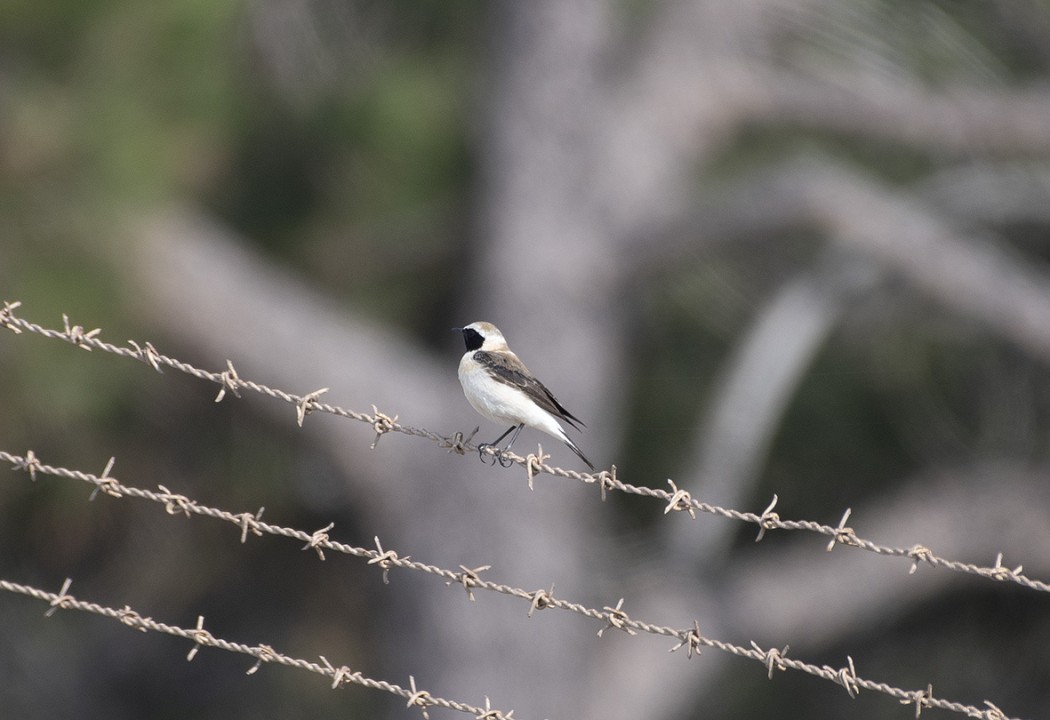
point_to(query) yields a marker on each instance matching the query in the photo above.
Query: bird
(499, 386)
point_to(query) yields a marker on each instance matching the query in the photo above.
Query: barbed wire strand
(262, 653)
(677, 499)
(614, 617)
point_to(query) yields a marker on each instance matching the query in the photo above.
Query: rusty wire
(676, 500)
(612, 617)
(201, 637)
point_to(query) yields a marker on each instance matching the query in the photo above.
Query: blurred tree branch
(593, 140)
(960, 120)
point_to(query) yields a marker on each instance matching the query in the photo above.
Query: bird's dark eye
(472, 338)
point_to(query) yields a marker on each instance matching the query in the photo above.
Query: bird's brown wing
(507, 368)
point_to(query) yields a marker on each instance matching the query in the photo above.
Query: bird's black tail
(579, 453)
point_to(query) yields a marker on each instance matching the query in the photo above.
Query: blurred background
(759, 246)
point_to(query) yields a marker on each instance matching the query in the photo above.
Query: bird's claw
(485, 448)
(498, 456)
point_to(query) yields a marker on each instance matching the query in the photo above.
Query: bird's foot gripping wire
(487, 449)
(498, 456)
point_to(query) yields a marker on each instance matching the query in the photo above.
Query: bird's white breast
(502, 403)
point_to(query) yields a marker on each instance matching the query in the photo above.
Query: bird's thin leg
(504, 460)
(483, 447)
(513, 437)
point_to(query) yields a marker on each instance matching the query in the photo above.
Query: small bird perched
(499, 386)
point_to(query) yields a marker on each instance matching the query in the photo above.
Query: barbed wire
(535, 463)
(613, 617)
(342, 675)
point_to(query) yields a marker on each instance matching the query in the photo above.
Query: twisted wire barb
(342, 675)
(613, 617)
(677, 500)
